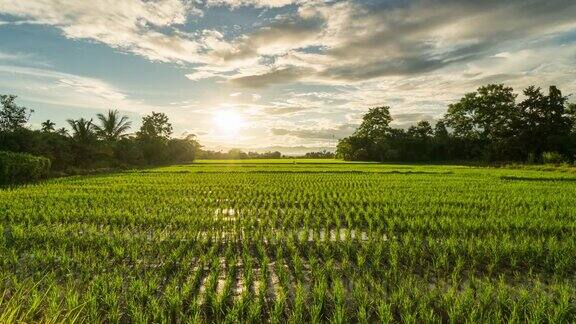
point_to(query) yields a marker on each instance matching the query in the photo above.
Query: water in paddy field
(257, 241)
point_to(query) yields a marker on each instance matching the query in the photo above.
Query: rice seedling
(291, 242)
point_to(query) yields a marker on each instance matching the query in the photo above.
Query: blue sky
(276, 73)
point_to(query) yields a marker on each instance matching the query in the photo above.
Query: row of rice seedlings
(239, 247)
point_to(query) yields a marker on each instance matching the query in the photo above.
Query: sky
(293, 75)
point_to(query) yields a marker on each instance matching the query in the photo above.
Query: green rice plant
(277, 242)
(277, 312)
(297, 314)
(384, 311)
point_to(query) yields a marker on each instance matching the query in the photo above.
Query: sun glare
(229, 122)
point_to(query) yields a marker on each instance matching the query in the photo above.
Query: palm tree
(48, 126)
(84, 140)
(83, 130)
(62, 131)
(112, 127)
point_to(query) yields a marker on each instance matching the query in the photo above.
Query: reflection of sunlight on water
(225, 214)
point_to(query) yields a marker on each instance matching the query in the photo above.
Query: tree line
(488, 125)
(90, 144)
(237, 154)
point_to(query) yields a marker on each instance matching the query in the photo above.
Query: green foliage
(422, 130)
(19, 168)
(485, 125)
(129, 151)
(12, 116)
(237, 154)
(375, 123)
(543, 120)
(83, 131)
(112, 126)
(155, 126)
(48, 126)
(552, 157)
(488, 113)
(278, 241)
(90, 146)
(320, 155)
(440, 130)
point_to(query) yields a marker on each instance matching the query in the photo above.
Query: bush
(129, 152)
(552, 157)
(19, 167)
(181, 150)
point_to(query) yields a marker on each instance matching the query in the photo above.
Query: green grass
(292, 241)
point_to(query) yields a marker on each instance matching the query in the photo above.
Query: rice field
(292, 241)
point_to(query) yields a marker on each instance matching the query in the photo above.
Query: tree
(488, 113)
(440, 130)
(422, 130)
(236, 154)
(153, 135)
(12, 116)
(320, 155)
(344, 149)
(571, 114)
(155, 125)
(48, 126)
(84, 141)
(82, 130)
(484, 123)
(375, 123)
(129, 151)
(62, 131)
(375, 127)
(112, 126)
(183, 150)
(87, 145)
(544, 120)
(441, 147)
(355, 148)
(56, 146)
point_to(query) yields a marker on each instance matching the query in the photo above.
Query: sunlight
(228, 122)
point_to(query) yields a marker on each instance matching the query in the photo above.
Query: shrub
(552, 157)
(181, 150)
(19, 167)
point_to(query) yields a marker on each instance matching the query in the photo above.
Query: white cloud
(254, 3)
(200, 75)
(142, 27)
(59, 88)
(416, 57)
(11, 56)
(347, 42)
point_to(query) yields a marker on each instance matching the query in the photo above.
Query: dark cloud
(364, 40)
(389, 67)
(284, 33)
(285, 75)
(428, 35)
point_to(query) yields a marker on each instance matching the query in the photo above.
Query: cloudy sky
(276, 73)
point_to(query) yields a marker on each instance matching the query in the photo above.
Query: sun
(228, 122)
